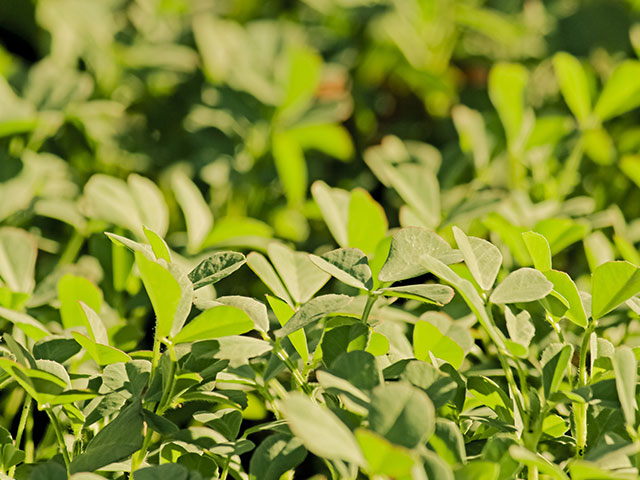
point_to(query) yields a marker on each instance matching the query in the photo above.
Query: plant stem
(60, 436)
(367, 308)
(225, 469)
(580, 410)
(282, 355)
(71, 250)
(138, 457)
(165, 401)
(24, 417)
(26, 410)
(532, 473)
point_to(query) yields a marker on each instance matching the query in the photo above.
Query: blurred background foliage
(234, 108)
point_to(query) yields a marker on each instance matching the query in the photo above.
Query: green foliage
(437, 202)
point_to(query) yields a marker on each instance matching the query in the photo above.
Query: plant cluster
(338, 239)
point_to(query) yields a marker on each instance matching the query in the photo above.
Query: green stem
(292, 368)
(24, 416)
(29, 449)
(72, 249)
(580, 410)
(138, 457)
(57, 428)
(524, 414)
(533, 473)
(225, 469)
(156, 357)
(367, 308)
(26, 411)
(165, 401)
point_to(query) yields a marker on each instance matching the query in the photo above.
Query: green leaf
(313, 311)
(215, 268)
(554, 425)
(448, 443)
(613, 283)
(621, 93)
(321, 432)
(560, 232)
(511, 235)
(263, 269)
(519, 326)
(349, 265)
(102, 354)
(428, 293)
(583, 470)
(409, 244)
(487, 392)
(334, 206)
(95, 326)
(71, 291)
(117, 440)
(402, 414)
(555, 360)
(574, 84)
(418, 186)
(299, 274)
(367, 224)
(482, 258)
(164, 292)
(472, 134)
(427, 338)
(18, 252)
(197, 214)
(167, 471)
(284, 312)
(56, 348)
(531, 459)
(599, 146)
(625, 366)
(29, 325)
(291, 167)
(563, 284)
(216, 322)
(598, 249)
(468, 292)
(507, 82)
(478, 470)
(150, 203)
(538, 249)
(110, 199)
(358, 367)
(630, 165)
(522, 285)
(382, 457)
(159, 424)
(256, 310)
(158, 245)
(329, 138)
(276, 455)
(303, 75)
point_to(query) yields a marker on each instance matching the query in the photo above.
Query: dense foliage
(390, 239)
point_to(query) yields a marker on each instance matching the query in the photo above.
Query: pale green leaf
(574, 84)
(482, 258)
(522, 285)
(408, 245)
(613, 283)
(221, 321)
(349, 265)
(197, 214)
(538, 249)
(367, 224)
(321, 432)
